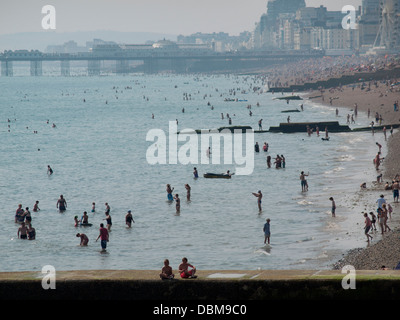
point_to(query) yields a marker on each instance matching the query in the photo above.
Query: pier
(153, 60)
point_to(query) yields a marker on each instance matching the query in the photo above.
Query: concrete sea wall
(210, 285)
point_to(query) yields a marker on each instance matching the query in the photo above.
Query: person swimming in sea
(85, 218)
(188, 188)
(129, 219)
(259, 197)
(169, 193)
(177, 203)
(61, 204)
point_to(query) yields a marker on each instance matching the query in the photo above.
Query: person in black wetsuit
(129, 219)
(108, 219)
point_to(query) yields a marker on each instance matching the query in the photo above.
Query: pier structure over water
(154, 60)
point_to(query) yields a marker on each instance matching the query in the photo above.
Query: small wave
(343, 148)
(355, 140)
(346, 157)
(304, 202)
(261, 251)
(338, 169)
(306, 239)
(323, 255)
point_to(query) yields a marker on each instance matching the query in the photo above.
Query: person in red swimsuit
(184, 269)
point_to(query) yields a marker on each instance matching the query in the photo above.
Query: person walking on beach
(378, 160)
(379, 146)
(259, 198)
(373, 220)
(267, 231)
(304, 184)
(333, 206)
(61, 204)
(395, 187)
(367, 227)
(104, 237)
(385, 217)
(390, 210)
(381, 201)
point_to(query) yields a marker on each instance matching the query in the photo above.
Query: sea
(98, 151)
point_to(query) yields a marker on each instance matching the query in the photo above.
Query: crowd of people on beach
(325, 68)
(384, 209)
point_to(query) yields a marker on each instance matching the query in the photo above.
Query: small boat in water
(218, 175)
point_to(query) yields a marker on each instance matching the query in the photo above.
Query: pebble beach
(373, 97)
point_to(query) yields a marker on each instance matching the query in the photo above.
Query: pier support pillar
(65, 68)
(93, 67)
(36, 67)
(179, 65)
(7, 68)
(151, 65)
(122, 66)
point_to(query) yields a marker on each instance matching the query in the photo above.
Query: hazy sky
(161, 16)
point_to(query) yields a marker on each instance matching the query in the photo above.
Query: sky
(160, 16)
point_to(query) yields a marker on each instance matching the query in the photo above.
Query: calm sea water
(98, 154)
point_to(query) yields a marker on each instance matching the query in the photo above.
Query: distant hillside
(40, 40)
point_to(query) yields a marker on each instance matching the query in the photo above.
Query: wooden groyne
(232, 129)
(294, 127)
(332, 126)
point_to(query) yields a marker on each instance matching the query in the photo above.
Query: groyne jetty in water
(294, 127)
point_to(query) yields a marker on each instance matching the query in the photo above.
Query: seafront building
(290, 25)
(287, 30)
